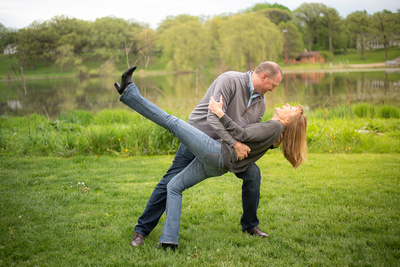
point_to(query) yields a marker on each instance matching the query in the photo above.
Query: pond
(180, 93)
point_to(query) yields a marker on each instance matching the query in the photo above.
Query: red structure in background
(306, 57)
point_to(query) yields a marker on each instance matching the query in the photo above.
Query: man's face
(268, 84)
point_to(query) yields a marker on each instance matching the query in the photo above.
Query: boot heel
(117, 86)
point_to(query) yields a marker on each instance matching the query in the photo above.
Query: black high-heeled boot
(126, 80)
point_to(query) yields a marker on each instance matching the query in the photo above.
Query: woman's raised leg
(206, 149)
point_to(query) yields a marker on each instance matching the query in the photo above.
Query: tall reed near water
(125, 133)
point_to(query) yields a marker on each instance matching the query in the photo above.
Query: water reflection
(180, 93)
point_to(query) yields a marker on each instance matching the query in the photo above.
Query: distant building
(306, 57)
(10, 49)
(373, 42)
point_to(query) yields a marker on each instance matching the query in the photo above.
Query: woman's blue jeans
(208, 161)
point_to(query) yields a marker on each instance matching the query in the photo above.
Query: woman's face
(286, 112)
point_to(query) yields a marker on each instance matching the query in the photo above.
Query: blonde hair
(294, 143)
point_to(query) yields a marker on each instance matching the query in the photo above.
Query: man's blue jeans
(187, 170)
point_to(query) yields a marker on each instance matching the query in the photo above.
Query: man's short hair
(271, 68)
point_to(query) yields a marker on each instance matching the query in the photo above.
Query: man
(244, 102)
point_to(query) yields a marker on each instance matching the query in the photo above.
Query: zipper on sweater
(256, 100)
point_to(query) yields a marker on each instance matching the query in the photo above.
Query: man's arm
(224, 90)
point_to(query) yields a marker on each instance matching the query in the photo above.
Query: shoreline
(285, 69)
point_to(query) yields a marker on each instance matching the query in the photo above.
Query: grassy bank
(364, 129)
(50, 70)
(335, 210)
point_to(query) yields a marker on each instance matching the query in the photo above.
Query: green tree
(107, 38)
(384, 26)
(185, 45)
(213, 26)
(29, 45)
(276, 15)
(147, 45)
(309, 14)
(332, 20)
(358, 26)
(138, 39)
(293, 37)
(171, 21)
(7, 36)
(339, 36)
(265, 5)
(41, 39)
(65, 56)
(246, 40)
(73, 32)
(60, 31)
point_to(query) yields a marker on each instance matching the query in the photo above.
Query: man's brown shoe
(256, 231)
(137, 240)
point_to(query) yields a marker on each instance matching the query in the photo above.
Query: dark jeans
(157, 202)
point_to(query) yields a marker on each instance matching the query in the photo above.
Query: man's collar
(252, 94)
(251, 84)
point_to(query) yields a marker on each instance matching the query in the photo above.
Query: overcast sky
(18, 14)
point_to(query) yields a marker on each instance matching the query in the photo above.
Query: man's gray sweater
(235, 90)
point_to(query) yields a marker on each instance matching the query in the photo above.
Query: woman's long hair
(294, 143)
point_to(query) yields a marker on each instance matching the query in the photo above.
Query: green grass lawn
(335, 210)
(370, 56)
(343, 60)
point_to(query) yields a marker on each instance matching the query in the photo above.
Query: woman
(214, 157)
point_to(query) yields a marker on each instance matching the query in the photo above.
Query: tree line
(184, 42)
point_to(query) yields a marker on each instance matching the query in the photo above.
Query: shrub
(81, 117)
(107, 116)
(126, 133)
(363, 110)
(387, 112)
(327, 56)
(340, 112)
(335, 112)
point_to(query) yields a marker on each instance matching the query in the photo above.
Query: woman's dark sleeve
(254, 132)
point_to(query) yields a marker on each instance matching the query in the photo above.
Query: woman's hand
(278, 142)
(216, 107)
